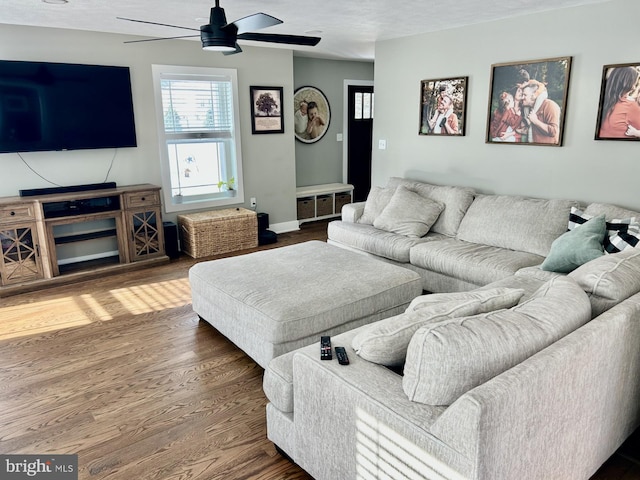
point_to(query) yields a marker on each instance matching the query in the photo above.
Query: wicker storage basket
(306, 208)
(219, 231)
(342, 199)
(324, 205)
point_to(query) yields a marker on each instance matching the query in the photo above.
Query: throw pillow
(408, 213)
(609, 279)
(377, 199)
(449, 358)
(576, 247)
(490, 299)
(385, 342)
(621, 233)
(577, 217)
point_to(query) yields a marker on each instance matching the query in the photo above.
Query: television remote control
(325, 348)
(341, 353)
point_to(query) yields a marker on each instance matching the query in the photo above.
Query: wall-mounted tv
(61, 106)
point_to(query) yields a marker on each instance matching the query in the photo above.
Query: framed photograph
(528, 102)
(266, 110)
(619, 108)
(443, 106)
(312, 114)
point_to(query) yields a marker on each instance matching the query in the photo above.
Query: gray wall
(321, 162)
(582, 169)
(268, 160)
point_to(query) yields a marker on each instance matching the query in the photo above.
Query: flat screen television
(62, 106)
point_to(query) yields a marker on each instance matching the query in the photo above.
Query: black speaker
(266, 237)
(263, 222)
(32, 192)
(171, 240)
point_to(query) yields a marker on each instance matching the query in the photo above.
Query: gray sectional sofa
(476, 240)
(508, 371)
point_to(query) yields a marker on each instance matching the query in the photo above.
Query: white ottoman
(274, 301)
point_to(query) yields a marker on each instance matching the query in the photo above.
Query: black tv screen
(61, 106)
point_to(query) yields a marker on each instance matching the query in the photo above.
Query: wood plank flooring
(120, 371)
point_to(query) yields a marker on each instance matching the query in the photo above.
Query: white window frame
(186, 203)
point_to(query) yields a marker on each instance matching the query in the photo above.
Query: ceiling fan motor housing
(213, 36)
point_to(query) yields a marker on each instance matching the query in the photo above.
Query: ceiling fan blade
(256, 21)
(275, 38)
(163, 38)
(161, 24)
(237, 50)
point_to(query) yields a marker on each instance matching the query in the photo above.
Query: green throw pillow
(576, 247)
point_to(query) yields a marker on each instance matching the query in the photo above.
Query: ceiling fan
(220, 36)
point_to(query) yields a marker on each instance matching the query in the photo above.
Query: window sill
(173, 204)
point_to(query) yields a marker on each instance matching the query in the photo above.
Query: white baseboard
(284, 227)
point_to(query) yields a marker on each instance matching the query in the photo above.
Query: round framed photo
(312, 114)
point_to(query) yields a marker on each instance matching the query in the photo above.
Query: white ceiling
(349, 28)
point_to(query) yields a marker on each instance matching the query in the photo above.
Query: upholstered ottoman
(274, 301)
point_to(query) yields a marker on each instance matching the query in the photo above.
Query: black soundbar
(31, 192)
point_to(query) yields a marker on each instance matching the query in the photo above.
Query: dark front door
(360, 110)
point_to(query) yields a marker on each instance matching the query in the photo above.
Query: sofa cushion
(455, 199)
(408, 213)
(517, 223)
(385, 342)
(377, 200)
(370, 239)
(446, 359)
(609, 211)
(610, 279)
(490, 299)
(471, 262)
(576, 247)
(537, 273)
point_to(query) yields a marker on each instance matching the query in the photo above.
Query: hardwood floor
(120, 371)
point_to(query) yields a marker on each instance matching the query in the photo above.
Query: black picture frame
(528, 102)
(266, 110)
(439, 94)
(619, 106)
(316, 101)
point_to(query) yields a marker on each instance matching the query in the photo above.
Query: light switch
(382, 144)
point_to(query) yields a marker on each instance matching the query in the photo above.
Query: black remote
(325, 348)
(341, 353)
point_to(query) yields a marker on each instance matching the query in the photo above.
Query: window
(363, 106)
(199, 133)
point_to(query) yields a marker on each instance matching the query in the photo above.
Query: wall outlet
(253, 202)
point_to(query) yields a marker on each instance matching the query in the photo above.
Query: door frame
(345, 123)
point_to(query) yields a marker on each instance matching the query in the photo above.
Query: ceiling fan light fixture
(217, 39)
(218, 48)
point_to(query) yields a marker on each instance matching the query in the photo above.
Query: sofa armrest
(564, 410)
(355, 421)
(351, 212)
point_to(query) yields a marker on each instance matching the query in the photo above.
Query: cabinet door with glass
(147, 234)
(144, 222)
(20, 260)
